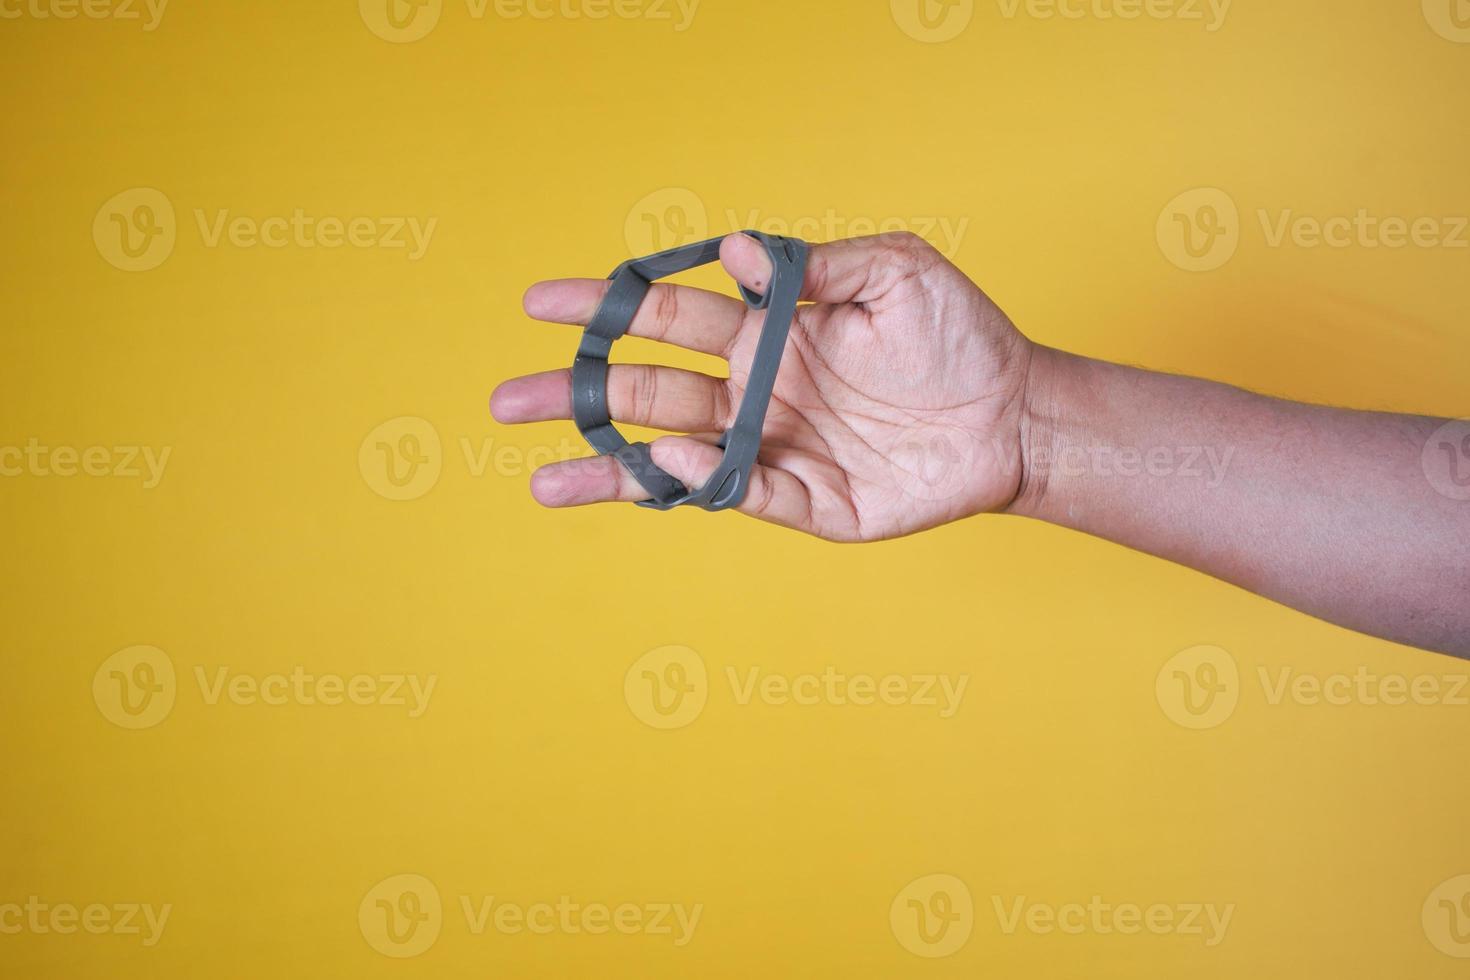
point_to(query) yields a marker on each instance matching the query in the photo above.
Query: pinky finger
(774, 495)
(576, 482)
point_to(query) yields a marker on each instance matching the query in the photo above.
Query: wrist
(1048, 392)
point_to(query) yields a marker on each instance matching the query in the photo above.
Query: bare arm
(907, 400)
(1326, 510)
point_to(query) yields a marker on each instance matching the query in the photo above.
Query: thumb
(837, 272)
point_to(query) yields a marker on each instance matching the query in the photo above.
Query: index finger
(681, 315)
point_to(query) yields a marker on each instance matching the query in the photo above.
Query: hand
(898, 406)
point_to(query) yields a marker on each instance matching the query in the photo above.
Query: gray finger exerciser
(631, 281)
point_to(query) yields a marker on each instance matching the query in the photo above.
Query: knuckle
(617, 479)
(764, 491)
(723, 408)
(642, 393)
(819, 273)
(915, 248)
(665, 309)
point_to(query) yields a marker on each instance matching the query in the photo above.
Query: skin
(907, 400)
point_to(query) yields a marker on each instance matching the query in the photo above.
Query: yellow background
(532, 142)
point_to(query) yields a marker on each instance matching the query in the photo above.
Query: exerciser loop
(631, 281)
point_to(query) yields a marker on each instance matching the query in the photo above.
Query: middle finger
(638, 394)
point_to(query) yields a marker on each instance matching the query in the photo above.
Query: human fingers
(638, 394)
(696, 319)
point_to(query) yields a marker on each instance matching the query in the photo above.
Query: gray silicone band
(631, 281)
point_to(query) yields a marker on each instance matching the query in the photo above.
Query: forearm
(1326, 510)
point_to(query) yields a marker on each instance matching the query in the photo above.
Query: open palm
(897, 407)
